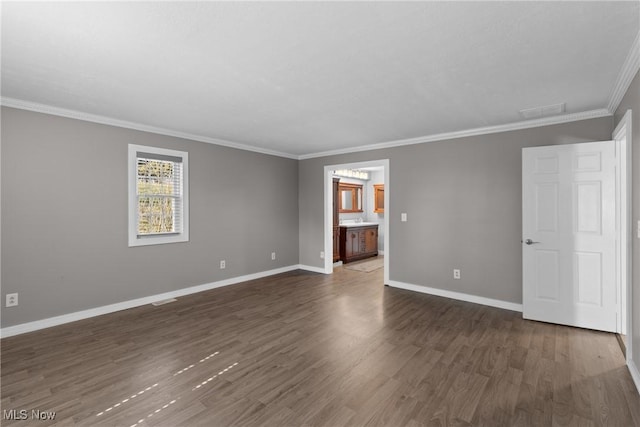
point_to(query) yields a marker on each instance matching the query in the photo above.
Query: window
(158, 196)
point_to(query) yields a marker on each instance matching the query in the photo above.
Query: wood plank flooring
(304, 349)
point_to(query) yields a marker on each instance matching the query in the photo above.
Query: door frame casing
(328, 211)
(622, 134)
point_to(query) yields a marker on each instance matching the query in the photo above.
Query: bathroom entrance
(356, 201)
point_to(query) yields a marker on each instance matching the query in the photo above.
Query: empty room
(303, 213)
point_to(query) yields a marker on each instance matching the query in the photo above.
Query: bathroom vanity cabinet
(358, 241)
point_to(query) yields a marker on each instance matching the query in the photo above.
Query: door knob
(530, 242)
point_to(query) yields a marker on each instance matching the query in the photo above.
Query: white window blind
(158, 190)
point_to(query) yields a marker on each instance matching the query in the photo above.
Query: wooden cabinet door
(352, 243)
(336, 243)
(378, 198)
(370, 240)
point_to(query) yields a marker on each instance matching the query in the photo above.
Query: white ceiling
(309, 77)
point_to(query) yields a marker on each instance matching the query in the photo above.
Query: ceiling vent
(547, 110)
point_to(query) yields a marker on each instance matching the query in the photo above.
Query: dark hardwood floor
(304, 349)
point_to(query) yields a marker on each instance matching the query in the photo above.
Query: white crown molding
(111, 308)
(525, 124)
(506, 305)
(73, 114)
(627, 73)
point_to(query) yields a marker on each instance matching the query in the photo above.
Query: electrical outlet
(403, 217)
(321, 254)
(12, 300)
(273, 255)
(223, 264)
(456, 273)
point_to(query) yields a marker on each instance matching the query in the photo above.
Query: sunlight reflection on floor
(129, 399)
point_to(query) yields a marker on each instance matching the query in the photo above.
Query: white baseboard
(311, 268)
(457, 295)
(635, 375)
(105, 309)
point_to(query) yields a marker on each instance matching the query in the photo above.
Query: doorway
(329, 209)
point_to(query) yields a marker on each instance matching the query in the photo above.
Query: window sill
(158, 239)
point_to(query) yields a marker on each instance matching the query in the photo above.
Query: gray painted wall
(631, 101)
(463, 200)
(64, 216)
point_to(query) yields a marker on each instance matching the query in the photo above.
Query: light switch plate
(403, 217)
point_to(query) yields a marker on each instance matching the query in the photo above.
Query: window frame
(162, 238)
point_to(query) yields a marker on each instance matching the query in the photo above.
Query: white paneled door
(569, 234)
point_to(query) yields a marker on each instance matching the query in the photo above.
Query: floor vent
(164, 301)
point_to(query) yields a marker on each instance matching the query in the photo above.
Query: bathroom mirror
(350, 199)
